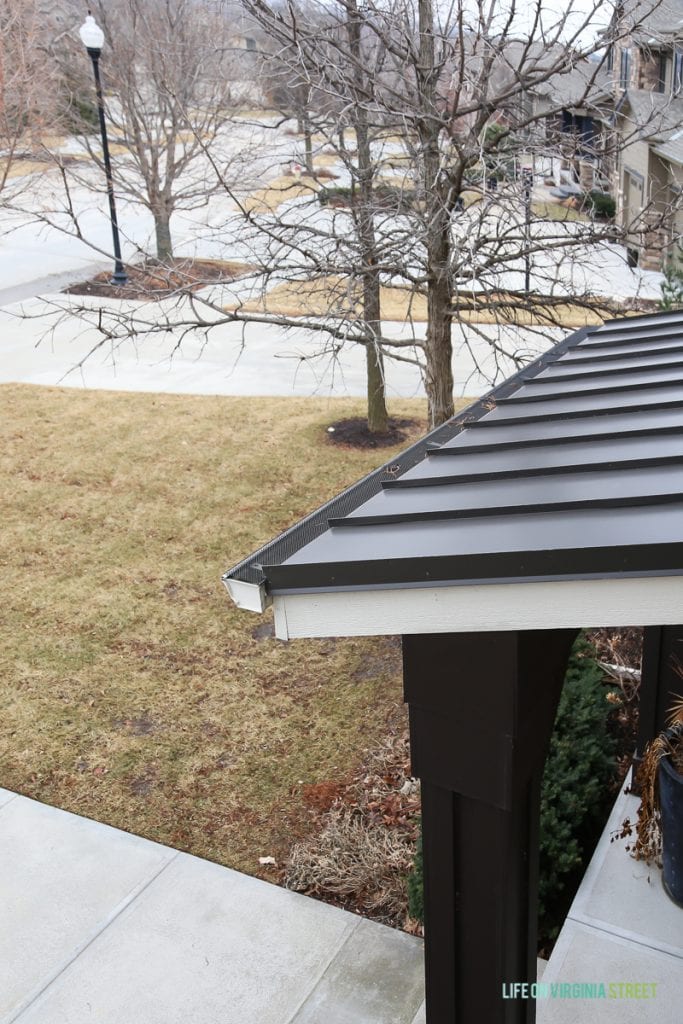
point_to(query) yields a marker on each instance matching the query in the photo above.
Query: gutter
(251, 597)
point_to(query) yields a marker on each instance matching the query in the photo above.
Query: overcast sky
(563, 17)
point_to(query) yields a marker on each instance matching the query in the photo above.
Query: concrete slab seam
(625, 935)
(6, 803)
(106, 923)
(323, 970)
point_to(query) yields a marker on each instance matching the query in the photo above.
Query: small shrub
(575, 795)
(672, 285)
(600, 204)
(80, 113)
(385, 197)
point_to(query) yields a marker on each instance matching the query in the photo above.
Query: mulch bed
(318, 172)
(354, 433)
(150, 281)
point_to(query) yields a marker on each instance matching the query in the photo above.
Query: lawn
(558, 211)
(279, 191)
(132, 691)
(340, 296)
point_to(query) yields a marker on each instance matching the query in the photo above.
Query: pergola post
(661, 681)
(482, 707)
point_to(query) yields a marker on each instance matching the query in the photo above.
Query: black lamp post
(92, 37)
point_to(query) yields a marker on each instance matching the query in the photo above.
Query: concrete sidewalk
(97, 924)
(100, 925)
(41, 343)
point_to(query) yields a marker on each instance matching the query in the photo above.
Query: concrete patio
(101, 925)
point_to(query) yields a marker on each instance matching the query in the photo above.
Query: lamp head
(91, 34)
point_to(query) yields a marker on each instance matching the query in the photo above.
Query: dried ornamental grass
(648, 843)
(357, 863)
(364, 851)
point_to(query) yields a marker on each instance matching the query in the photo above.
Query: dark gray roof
(657, 21)
(572, 468)
(672, 148)
(585, 85)
(653, 115)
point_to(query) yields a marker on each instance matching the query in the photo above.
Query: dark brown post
(482, 707)
(661, 681)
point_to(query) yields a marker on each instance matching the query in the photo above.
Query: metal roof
(573, 468)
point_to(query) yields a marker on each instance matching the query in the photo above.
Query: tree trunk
(378, 417)
(308, 144)
(438, 346)
(162, 232)
(436, 204)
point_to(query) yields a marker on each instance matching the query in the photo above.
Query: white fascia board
(556, 604)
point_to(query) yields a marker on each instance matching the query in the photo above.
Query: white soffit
(656, 601)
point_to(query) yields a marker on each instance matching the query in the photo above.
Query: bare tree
(27, 83)
(443, 78)
(472, 96)
(169, 68)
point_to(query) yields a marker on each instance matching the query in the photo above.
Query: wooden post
(482, 707)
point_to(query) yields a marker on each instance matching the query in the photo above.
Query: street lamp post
(92, 37)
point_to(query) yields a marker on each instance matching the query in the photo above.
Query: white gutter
(251, 597)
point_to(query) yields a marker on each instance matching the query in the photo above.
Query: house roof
(672, 148)
(657, 22)
(656, 115)
(580, 82)
(571, 470)
(587, 84)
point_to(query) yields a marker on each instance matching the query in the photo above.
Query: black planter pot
(671, 808)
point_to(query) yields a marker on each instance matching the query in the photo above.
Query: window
(610, 58)
(677, 79)
(251, 43)
(663, 61)
(625, 69)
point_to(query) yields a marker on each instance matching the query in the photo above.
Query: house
(575, 131)
(646, 67)
(563, 112)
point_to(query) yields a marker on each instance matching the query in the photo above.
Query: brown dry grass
(351, 859)
(558, 211)
(131, 690)
(256, 114)
(337, 296)
(278, 191)
(20, 167)
(325, 160)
